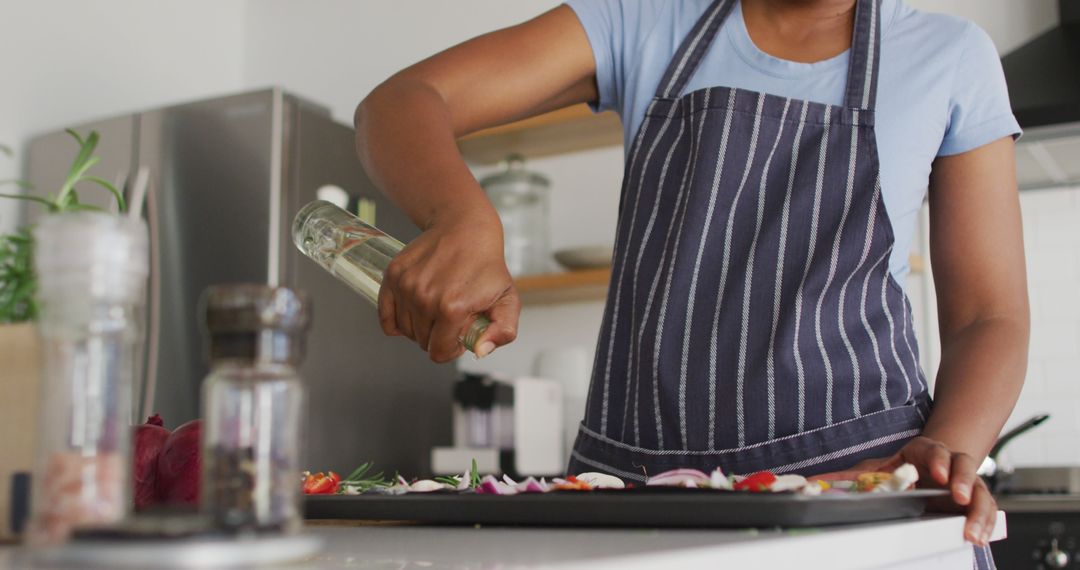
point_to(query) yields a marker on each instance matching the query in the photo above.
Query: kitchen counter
(926, 543)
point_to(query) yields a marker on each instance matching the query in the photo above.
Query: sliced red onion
(531, 485)
(489, 485)
(679, 478)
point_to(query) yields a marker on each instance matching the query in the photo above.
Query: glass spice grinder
(253, 402)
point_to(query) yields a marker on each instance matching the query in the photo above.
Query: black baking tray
(642, 507)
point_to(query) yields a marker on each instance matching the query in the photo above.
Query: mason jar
(253, 402)
(521, 199)
(92, 270)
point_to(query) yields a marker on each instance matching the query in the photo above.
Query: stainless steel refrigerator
(226, 177)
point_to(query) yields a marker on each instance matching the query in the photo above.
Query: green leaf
(6, 150)
(52, 206)
(106, 185)
(474, 476)
(83, 161)
(78, 170)
(358, 472)
(75, 136)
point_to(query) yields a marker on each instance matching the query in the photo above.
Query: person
(778, 153)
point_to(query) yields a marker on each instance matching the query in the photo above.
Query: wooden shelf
(565, 287)
(592, 284)
(566, 130)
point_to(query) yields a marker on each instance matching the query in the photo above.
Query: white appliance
(511, 426)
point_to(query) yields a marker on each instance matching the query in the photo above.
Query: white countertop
(925, 543)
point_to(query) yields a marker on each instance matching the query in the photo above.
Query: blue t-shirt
(941, 90)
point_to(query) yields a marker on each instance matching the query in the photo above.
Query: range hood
(1044, 86)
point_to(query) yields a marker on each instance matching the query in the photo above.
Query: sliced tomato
(321, 484)
(757, 483)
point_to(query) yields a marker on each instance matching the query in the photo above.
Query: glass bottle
(521, 199)
(92, 270)
(355, 252)
(253, 407)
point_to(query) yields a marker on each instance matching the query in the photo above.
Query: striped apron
(752, 322)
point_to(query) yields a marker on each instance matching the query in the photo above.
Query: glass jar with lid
(253, 402)
(521, 199)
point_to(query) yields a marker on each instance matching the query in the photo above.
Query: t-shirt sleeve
(604, 25)
(979, 109)
(616, 29)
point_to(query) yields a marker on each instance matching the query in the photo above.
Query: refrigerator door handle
(143, 191)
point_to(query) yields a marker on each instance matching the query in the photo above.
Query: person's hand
(436, 286)
(942, 469)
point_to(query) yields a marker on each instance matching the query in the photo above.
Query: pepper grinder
(253, 405)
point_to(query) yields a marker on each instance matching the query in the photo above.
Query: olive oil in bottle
(355, 252)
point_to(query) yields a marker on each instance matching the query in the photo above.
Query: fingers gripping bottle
(356, 253)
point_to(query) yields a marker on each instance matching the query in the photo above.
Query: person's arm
(406, 132)
(977, 250)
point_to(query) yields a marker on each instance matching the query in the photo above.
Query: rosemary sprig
(360, 479)
(452, 480)
(474, 476)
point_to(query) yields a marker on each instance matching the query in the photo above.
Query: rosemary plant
(18, 284)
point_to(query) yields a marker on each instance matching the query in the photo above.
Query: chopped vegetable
(601, 481)
(786, 483)
(489, 485)
(425, 486)
(868, 481)
(691, 478)
(359, 482)
(757, 483)
(322, 484)
(572, 483)
(531, 485)
(902, 479)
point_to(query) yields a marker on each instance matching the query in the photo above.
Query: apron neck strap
(864, 63)
(693, 48)
(865, 55)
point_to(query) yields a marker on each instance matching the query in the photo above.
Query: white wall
(336, 51)
(1052, 244)
(1009, 22)
(66, 62)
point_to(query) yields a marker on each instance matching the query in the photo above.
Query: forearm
(982, 371)
(406, 141)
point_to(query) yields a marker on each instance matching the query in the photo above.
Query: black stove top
(1043, 531)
